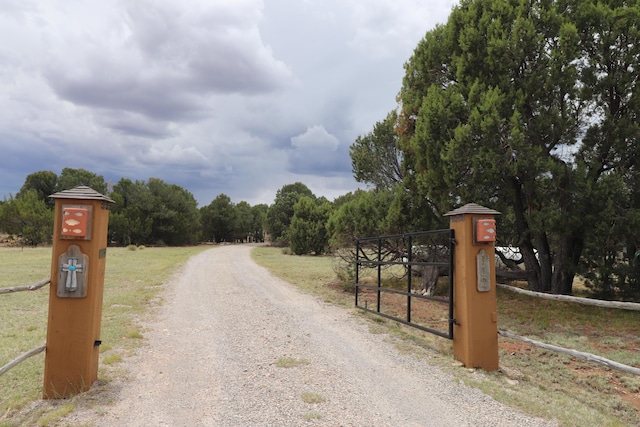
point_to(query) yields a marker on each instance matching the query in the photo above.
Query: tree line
(157, 213)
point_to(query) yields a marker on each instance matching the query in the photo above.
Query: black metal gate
(392, 259)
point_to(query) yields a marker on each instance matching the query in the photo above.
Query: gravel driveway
(214, 351)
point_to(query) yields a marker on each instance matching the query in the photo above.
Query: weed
(631, 383)
(135, 334)
(348, 286)
(111, 359)
(310, 416)
(290, 362)
(312, 398)
(50, 417)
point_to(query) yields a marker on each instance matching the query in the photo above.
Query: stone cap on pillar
(81, 192)
(472, 208)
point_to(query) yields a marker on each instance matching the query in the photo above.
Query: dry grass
(536, 381)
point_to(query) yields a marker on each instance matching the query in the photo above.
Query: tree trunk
(532, 266)
(543, 258)
(526, 247)
(565, 264)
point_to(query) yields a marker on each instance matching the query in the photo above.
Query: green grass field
(539, 382)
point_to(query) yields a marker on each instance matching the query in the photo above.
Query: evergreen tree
(220, 220)
(528, 108)
(280, 213)
(28, 218)
(307, 232)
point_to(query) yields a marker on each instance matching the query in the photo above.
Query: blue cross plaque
(72, 268)
(71, 275)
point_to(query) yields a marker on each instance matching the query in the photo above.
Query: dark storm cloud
(135, 124)
(219, 96)
(164, 63)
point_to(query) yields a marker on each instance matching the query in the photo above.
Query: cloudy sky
(218, 96)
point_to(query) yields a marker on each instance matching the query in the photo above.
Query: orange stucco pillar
(475, 334)
(75, 297)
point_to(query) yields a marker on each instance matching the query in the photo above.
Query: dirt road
(219, 350)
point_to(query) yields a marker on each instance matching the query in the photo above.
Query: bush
(344, 266)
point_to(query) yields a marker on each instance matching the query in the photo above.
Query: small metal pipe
(410, 241)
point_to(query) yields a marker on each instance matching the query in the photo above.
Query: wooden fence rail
(575, 353)
(22, 358)
(33, 287)
(567, 298)
(35, 351)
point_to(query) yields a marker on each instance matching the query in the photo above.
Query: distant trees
(27, 218)
(307, 231)
(259, 218)
(129, 220)
(224, 221)
(149, 212)
(70, 178)
(153, 212)
(176, 220)
(281, 212)
(244, 222)
(219, 220)
(43, 183)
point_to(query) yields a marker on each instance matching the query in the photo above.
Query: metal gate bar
(403, 254)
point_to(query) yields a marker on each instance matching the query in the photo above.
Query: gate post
(80, 229)
(475, 337)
